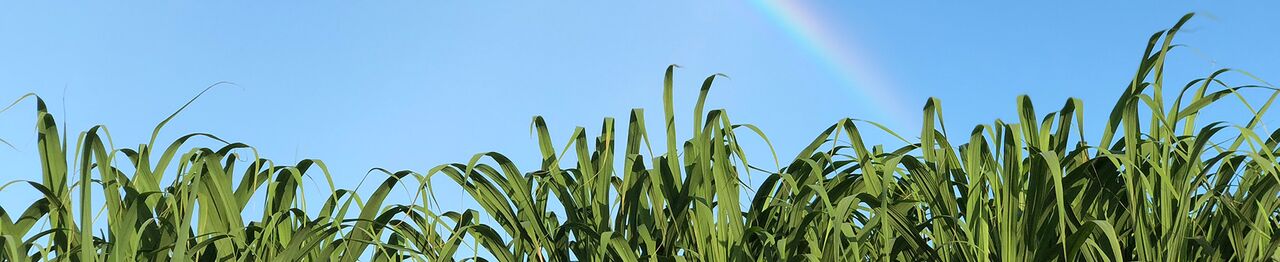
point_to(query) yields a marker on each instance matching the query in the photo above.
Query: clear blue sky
(412, 84)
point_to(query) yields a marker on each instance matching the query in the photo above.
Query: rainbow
(838, 54)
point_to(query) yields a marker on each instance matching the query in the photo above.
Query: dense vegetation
(1158, 186)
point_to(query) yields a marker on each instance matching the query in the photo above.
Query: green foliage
(1169, 190)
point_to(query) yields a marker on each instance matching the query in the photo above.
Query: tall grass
(1158, 186)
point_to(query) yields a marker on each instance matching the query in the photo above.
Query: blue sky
(413, 84)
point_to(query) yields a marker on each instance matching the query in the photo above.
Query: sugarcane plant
(1157, 186)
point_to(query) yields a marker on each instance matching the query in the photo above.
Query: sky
(413, 84)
